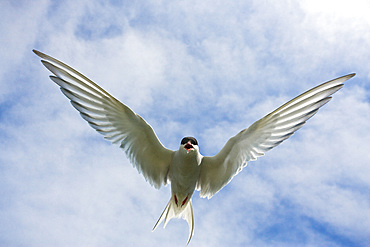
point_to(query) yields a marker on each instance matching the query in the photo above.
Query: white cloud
(199, 68)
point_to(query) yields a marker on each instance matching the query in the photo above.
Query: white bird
(186, 169)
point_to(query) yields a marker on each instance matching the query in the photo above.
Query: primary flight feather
(186, 169)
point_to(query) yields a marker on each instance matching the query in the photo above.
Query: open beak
(188, 147)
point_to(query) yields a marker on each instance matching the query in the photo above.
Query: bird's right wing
(114, 120)
(263, 135)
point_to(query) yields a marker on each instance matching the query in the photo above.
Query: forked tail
(173, 211)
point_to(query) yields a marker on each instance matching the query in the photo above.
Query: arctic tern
(186, 169)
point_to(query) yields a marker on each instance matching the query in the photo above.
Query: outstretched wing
(114, 120)
(263, 135)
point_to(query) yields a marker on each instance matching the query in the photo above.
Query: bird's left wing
(114, 120)
(263, 135)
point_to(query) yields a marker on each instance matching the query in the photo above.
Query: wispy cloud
(202, 68)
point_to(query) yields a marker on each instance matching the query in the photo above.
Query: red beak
(188, 146)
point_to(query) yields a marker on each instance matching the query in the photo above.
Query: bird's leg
(176, 199)
(184, 201)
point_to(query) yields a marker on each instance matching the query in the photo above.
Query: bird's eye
(193, 141)
(184, 140)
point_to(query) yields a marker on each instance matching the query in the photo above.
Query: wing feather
(114, 120)
(263, 135)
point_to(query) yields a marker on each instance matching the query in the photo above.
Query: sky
(206, 69)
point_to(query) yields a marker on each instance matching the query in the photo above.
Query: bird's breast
(184, 173)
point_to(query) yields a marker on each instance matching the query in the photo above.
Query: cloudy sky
(202, 68)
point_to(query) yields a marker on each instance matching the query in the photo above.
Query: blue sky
(203, 68)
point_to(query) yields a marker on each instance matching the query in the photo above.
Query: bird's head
(189, 144)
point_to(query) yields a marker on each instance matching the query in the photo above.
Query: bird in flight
(186, 169)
